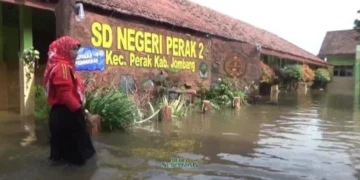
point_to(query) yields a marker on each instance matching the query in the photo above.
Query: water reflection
(29, 127)
(307, 136)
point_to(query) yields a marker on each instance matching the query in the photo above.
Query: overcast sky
(302, 22)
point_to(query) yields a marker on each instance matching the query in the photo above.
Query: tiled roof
(190, 15)
(340, 43)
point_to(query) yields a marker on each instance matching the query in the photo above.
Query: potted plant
(268, 79)
(308, 76)
(322, 78)
(293, 75)
(30, 57)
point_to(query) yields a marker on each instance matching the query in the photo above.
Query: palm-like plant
(114, 106)
(178, 106)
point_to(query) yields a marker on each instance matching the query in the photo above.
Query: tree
(357, 23)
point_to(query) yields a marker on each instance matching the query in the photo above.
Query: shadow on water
(22, 157)
(313, 136)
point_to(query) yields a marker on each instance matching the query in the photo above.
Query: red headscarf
(59, 54)
(59, 51)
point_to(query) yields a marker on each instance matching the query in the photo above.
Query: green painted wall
(341, 60)
(26, 37)
(357, 74)
(358, 52)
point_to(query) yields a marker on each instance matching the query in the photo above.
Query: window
(265, 58)
(343, 71)
(349, 72)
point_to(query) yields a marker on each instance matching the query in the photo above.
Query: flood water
(314, 136)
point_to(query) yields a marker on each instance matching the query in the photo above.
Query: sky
(301, 22)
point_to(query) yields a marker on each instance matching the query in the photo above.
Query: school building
(339, 49)
(135, 41)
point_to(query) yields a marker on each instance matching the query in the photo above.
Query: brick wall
(221, 57)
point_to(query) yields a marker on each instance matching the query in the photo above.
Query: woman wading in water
(69, 137)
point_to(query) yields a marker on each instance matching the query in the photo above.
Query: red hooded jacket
(62, 83)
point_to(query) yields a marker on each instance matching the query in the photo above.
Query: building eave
(293, 57)
(33, 3)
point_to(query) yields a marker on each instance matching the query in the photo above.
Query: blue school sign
(90, 59)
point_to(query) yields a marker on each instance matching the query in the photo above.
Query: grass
(42, 109)
(114, 106)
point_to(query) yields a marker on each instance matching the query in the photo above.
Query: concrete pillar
(302, 88)
(27, 80)
(206, 106)
(165, 114)
(1, 36)
(274, 95)
(357, 78)
(63, 13)
(357, 71)
(236, 103)
(3, 72)
(94, 124)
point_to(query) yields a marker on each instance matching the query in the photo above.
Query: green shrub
(293, 72)
(114, 106)
(224, 94)
(322, 75)
(242, 96)
(42, 109)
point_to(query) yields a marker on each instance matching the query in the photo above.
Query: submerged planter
(274, 89)
(206, 106)
(165, 114)
(236, 103)
(302, 87)
(274, 95)
(94, 126)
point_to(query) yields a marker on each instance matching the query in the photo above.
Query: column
(357, 72)
(3, 72)
(27, 79)
(63, 13)
(1, 35)
(274, 93)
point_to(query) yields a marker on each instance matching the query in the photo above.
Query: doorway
(43, 32)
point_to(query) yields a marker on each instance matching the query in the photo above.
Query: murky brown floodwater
(305, 137)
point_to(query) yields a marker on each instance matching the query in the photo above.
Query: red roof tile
(340, 43)
(193, 16)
